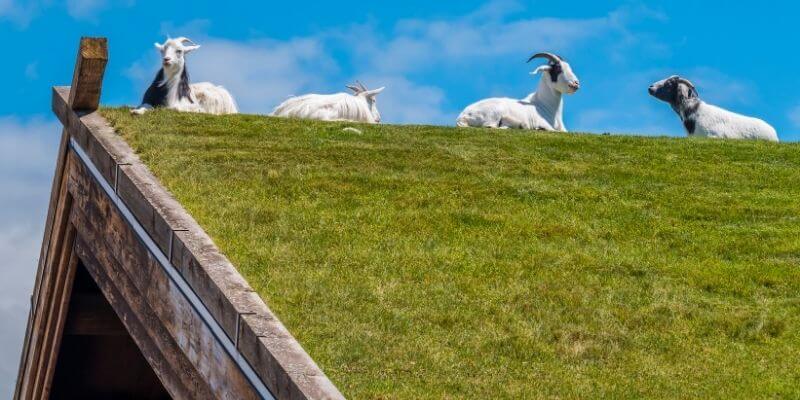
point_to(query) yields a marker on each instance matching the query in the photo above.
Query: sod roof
(428, 262)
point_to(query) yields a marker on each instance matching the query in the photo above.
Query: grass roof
(428, 262)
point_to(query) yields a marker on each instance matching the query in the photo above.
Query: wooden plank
(87, 80)
(155, 294)
(61, 316)
(49, 223)
(134, 199)
(43, 295)
(51, 313)
(178, 379)
(279, 360)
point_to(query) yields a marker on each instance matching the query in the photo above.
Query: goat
(171, 88)
(705, 120)
(361, 106)
(542, 109)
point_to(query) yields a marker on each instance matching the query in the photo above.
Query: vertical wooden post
(84, 95)
(87, 83)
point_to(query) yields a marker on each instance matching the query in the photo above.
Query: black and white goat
(171, 88)
(542, 109)
(361, 106)
(705, 120)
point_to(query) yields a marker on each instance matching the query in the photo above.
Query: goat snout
(167, 61)
(651, 90)
(575, 86)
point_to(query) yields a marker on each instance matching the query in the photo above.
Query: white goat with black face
(702, 119)
(171, 88)
(542, 109)
(361, 106)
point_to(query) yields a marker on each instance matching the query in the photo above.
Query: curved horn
(185, 41)
(354, 88)
(549, 56)
(361, 85)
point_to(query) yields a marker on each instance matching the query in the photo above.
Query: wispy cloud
(90, 10)
(27, 159)
(794, 116)
(85, 9)
(720, 88)
(32, 70)
(19, 12)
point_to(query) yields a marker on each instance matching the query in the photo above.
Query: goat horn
(183, 40)
(549, 56)
(354, 88)
(361, 85)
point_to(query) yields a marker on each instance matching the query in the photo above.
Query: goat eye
(179, 51)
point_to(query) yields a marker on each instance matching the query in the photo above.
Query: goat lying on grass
(702, 119)
(542, 109)
(171, 88)
(361, 106)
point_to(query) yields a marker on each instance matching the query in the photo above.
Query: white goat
(542, 109)
(171, 88)
(702, 119)
(361, 106)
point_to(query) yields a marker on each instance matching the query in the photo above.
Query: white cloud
(794, 116)
(720, 88)
(19, 12)
(32, 70)
(85, 9)
(27, 160)
(410, 103)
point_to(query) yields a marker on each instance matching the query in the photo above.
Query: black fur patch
(555, 71)
(156, 94)
(690, 125)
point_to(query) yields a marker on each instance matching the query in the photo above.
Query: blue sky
(434, 58)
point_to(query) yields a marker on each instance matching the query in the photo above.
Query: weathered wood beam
(87, 80)
(139, 289)
(85, 96)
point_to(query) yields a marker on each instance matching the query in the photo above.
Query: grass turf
(428, 262)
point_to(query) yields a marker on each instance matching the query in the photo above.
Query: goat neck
(549, 102)
(176, 80)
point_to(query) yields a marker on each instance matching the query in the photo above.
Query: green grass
(424, 262)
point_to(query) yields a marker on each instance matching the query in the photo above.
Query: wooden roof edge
(262, 340)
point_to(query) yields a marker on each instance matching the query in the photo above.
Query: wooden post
(84, 95)
(87, 82)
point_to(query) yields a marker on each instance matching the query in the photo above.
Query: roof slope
(421, 262)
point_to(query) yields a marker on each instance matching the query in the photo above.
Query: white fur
(358, 107)
(715, 122)
(204, 97)
(542, 109)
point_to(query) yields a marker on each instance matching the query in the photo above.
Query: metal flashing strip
(175, 277)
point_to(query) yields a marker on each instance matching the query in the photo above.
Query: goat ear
(542, 68)
(191, 48)
(374, 92)
(159, 46)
